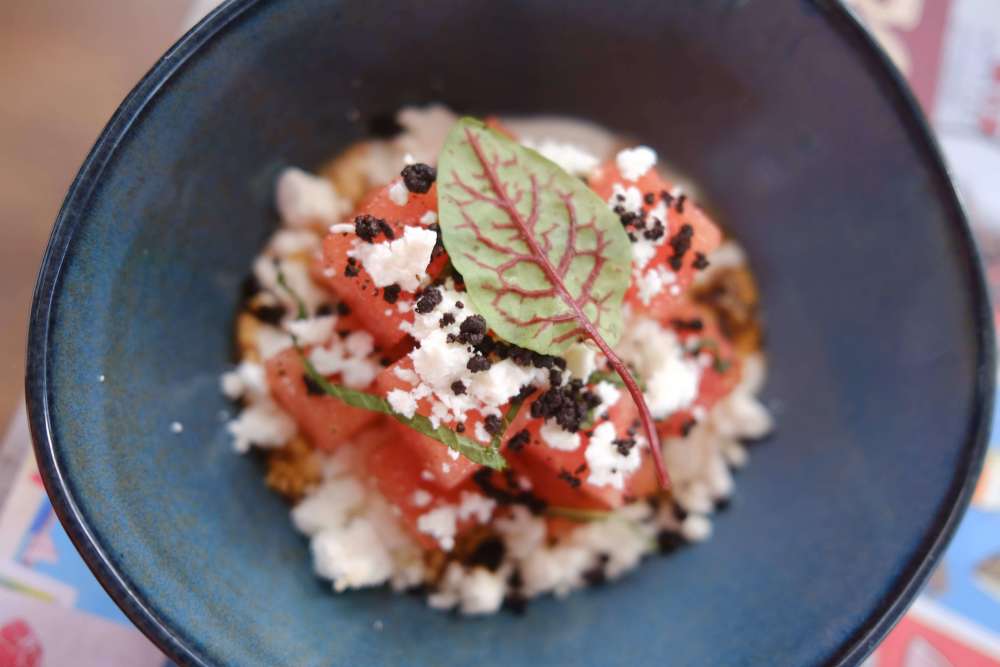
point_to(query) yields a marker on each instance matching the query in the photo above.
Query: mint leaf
(543, 258)
(485, 456)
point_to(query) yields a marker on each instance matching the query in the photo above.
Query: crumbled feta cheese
(428, 218)
(501, 382)
(303, 199)
(177, 427)
(696, 528)
(606, 464)
(402, 402)
(297, 277)
(398, 193)
(342, 228)
(522, 531)
(609, 395)
(632, 198)
(633, 163)
(741, 415)
(402, 261)
(248, 379)
(404, 306)
(262, 423)
(570, 158)
(671, 378)
(271, 341)
(445, 468)
(408, 159)
(438, 362)
(312, 331)
(559, 570)
(427, 475)
(329, 506)
(556, 437)
(453, 454)
(482, 435)
(421, 498)
(287, 242)
(405, 374)
(475, 506)
(440, 523)
(581, 360)
(482, 592)
(353, 557)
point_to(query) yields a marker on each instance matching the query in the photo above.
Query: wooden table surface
(64, 67)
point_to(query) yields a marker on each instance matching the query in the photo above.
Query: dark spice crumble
(478, 363)
(681, 243)
(694, 324)
(568, 405)
(473, 330)
(489, 554)
(519, 440)
(700, 261)
(458, 387)
(492, 424)
(687, 426)
(597, 575)
(312, 387)
(368, 227)
(460, 428)
(446, 320)
(649, 198)
(352, 269)
(570, 478)
(679, 204)
(428, 301)
(270, 314)
(459, 304)
(668, 541)
(484, 480)
(624, 445)
(418, 177)
(391, 293)
(324, 310)
(343, 309)
(249, 287)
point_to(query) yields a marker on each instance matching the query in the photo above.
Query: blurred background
(64, 67)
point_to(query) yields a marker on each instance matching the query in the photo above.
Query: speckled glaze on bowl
(806, 143)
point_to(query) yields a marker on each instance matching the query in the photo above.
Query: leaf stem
(303, 312)
(648, 425)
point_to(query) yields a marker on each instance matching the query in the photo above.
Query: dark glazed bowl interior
(809, 151)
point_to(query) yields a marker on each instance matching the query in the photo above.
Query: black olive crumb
(492, 424)
(700, 261)
(391, 293)
(460, 428)
(519, 440)
(428, 301)
(458, 387)
(312, 387)
(418, 177)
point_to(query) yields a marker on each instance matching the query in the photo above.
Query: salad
(491, 360)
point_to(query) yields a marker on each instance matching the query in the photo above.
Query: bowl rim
(868, 631)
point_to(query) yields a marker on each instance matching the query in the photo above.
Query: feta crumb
(609, 395)
(696, 528)
(446, 468)
(303, 199)
(248, 379)
(177, 427)
(428, 218)
(329, 506)
(453, 454)
(556, 437)
(399, 194)
(421, 498)
(632, 198)
(607, 466)
(402, 261)
(671, 378)
(342, 228)
(427, 475)
(482, 435)
(441, 524)
(263, 424)
(476, 506)
(353, 557)
(287, 242)
(581, 360)
(408, 159)
(633, 163)
(405, 374)
(482, 592)
(312, 331)
(402, 402)
(404, 306)
(570, 158)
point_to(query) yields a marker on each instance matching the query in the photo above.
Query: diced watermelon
(398, 473)
(554, 473)
(705, 234)
(365, 301)
(436, 459)
(325, 421)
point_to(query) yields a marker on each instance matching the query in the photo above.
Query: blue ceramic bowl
(804, 140)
